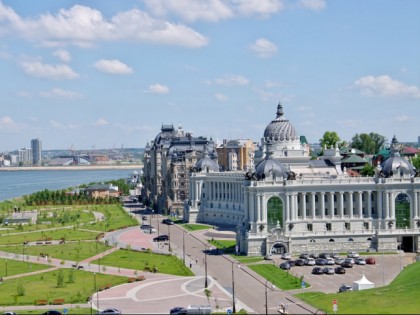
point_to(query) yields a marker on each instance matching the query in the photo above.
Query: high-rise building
(36, 146)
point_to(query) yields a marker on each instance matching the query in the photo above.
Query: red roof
(410, 150)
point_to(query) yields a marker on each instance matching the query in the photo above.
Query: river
(18, 183)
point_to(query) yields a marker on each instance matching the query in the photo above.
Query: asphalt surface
(159, 293)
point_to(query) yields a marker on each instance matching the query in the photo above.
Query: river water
(18, 183)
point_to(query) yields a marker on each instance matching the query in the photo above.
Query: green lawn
(247, 259)
(281, 279)
(196, 227)
(400, 297)
(70, 234)
(9, 267)
(115, 218)
(76, 251)
(25, 290)
(139, 260)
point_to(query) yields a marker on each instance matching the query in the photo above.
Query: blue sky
(109, 73)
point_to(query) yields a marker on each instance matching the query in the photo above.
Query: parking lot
(382, 273)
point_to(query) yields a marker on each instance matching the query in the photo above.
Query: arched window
(350, 240)
(312, 241)
(274, 212)
(331, 240)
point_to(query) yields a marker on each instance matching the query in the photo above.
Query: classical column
(360, 204)
(369, 204)
(341, 205)
(331, 205)
(303, 203)
(322, 205)
(313, 209)
(287, 210)
(259, 214)
(350, 203)
(379, 204)
(386, 205)
(391, 205)
(416, 204)
(263, 209)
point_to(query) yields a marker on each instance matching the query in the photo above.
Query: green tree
(367, 170)
(368, 143)
(329, 139)
(416, 162)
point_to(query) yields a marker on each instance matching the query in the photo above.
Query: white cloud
(59, 93)
(100, 122)
(62, 54)
(263, 48)
(82, 25)
(56, 124)
(221, 97)
(262, 8)
(402, 118)
(273, 84)
(206, 10)
(350, 123)
(55, 72)
(232, 80)
(7, 124)
(113, 67)
(385, 86)
(158, 89)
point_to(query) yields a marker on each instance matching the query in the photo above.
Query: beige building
(236, 155)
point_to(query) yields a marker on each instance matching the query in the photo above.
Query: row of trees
(369, 143)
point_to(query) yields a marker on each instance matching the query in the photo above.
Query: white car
(310, 262)
(339, 261)
(353, 255)
(330, 261)
(286, 256)
(360, 261)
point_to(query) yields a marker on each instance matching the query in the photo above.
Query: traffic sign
(303, 284)
(229, 311)
(65, 311)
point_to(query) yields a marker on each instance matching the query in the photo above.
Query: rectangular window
(328, 226)
(347, 226)
(366, 225)
(309, 227)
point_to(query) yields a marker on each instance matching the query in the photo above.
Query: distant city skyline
(108, 74)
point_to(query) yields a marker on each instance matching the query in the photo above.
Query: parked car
(144, 218)
(335, 255)
(321, 261)
(178, 311)
(304, 256)
(314, 255)
(292, 262)
(340, 270)
(353, 255)
(300, 262)
(330, 261)
(285, 266)
(161, 238)
(347, 264)
(317, 271)
(310, 262)
(350, 260)
(360, 261)
(324, 255)
(167, 221)
(328, 270)
(345, 288)
(52, 312)
(109, 311)
(286, 256)
(370, 261)
(339, 261)
(145, 227)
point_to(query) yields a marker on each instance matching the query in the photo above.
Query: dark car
(292, 262)
(285, 266)
(161, 238)
(167, 221)
(314, 255)
(345, 288)
(347, 264)
(317, 271)
(304, 256)
(178, 311)
(299, 262)
(340, 270)
(109, 311)
(52, 312)
(370, 261)
(321, 261)
(324, 255)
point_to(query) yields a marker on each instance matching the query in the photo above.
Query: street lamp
(169, 236)
(266, 299)
(205, 267)
(233, 288)
(97, 292)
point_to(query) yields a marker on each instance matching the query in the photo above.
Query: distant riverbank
(73, 167)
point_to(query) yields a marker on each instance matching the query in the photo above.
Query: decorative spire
(279, 111)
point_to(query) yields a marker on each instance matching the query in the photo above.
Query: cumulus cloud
(316, 5)
(113, 67)
(62, 54)
(7, 124)
(82, 25)
(261, 8)
(158, 89)
(232, 80)
(55, 72)
(59, 93)
(221, 97)
(385, 86)
(100, 122)
(263, 48)
(402, 118)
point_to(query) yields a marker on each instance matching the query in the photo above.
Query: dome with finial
(280, 129)
(206, 164)
(396, 164)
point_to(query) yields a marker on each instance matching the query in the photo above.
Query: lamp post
(205, 268)
(266, 298)
(169, 236)
(233, 289)
(96, 290)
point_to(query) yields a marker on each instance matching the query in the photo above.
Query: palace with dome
(290, 203)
